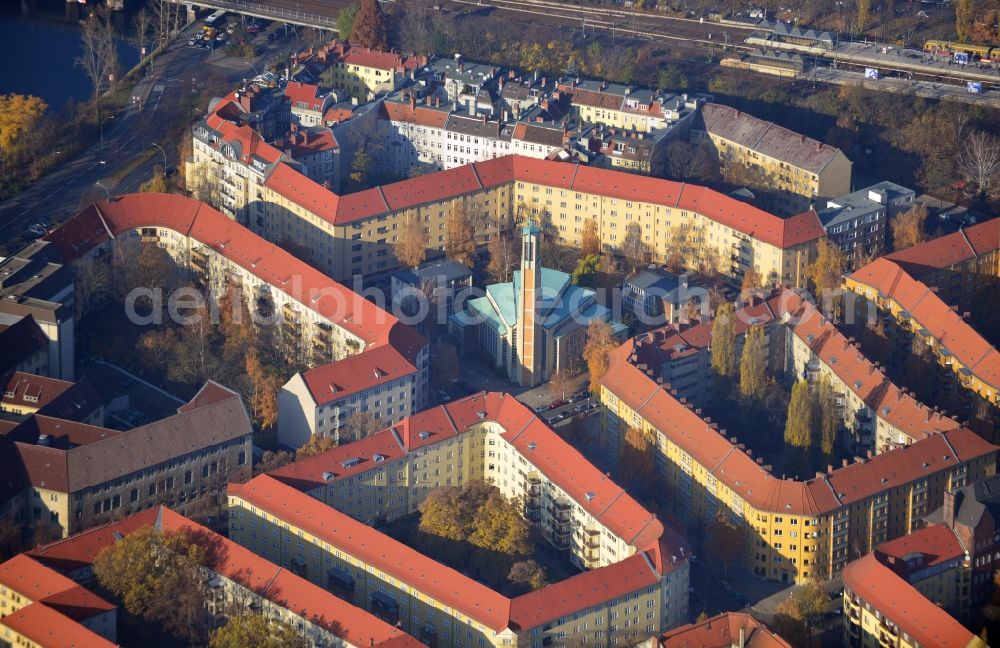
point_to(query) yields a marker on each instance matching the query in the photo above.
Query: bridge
(305, 14)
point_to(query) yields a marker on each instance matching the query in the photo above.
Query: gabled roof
(266, 579)
(19, 341)
(949, 250)
(889, 280)
(898, 601)
(543, 449)
(928, 547)
(723, 631)
(378, 366)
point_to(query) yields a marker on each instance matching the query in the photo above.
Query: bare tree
(980, 159)
(98, 59)
(503, 251)
(142, 23)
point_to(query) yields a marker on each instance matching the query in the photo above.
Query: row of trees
(812, 426)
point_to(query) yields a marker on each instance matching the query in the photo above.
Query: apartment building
(321, 508)
(726, 630)
(534, 325)
(795, 530)
(307, 104)
(25, 394)
(803, 170)
(353, 234)
(232, 576)
(36, 294)
(79, 475)
(973, 514)
(318, 152)
(362, 72)
(318, 320)
(932, 560)
(881, 608)
(322, 400)
(655, 294)
(920, 288)
(41, 608)
(876, 414)
(857, 222)
(624, 107)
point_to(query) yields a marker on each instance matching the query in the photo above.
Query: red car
(557, 403)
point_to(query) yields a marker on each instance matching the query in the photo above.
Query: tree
(635, 460)
(444, 364)
(368, 29)
(271, 461)
(799, 426)
(264, 388)
(528, 574)
(795, 616)
(157, 183)
(864, 13)
(317, 444)
(253, 630)
(204, 185)
(825, 272)
(142, 22)
(559, 382)
(590, 240)
(671, 78)
(157, 577)
(980, 159)
(908, 227)
(98, 59)
(460, 235)
(360, 425)
(410, 247)
(963, 19)
(503, 257)
(634, 249)
(828, 417)
(600, 343)
(498, 526)
(753, 365)
(19, 118)
(723, 347)
(726, 541)
(345, 21)
(751, 282)
(361, 167)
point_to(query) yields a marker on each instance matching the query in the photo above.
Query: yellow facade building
(360, 71)
(636, 577)
(795, 531)
(802, 170)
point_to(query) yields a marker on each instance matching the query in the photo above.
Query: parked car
(221, 38)
(37, 229)
(557, 403)
(192, 42)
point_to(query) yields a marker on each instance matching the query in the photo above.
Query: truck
(215, 17)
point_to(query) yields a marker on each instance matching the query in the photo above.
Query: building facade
(858, 222)
(804, 172)
(636, 571)
(795, 530)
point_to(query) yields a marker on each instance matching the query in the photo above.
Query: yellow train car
(975, 52)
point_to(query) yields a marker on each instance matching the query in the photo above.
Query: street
(127, 136)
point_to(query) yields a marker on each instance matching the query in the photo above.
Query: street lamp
(99, 184)
(164, 157)
(102, 135)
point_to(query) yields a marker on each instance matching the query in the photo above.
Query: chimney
(829, 469)
(948, 509)
(819, 146)
(802, 138)
(413, 102)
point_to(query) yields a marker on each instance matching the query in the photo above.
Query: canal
(40, 40)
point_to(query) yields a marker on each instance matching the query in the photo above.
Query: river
(39, 40)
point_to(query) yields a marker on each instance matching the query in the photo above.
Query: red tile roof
(723, 631)
(432, 187)
(741, 474)
(891, 281)
(357, 373)
(930, 546)
(29, 390)
(238, 564)
(608, 503)
(31, 579)
(419, 114)
(48, 628)
(304, 95)
(949, 250)
(904, 606)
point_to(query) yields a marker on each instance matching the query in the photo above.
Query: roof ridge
(475, 172)
(947, 442)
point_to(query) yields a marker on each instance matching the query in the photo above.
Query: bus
(215, 17)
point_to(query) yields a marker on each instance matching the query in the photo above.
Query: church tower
(529, 352)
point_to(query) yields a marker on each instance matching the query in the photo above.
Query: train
(974, 52)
